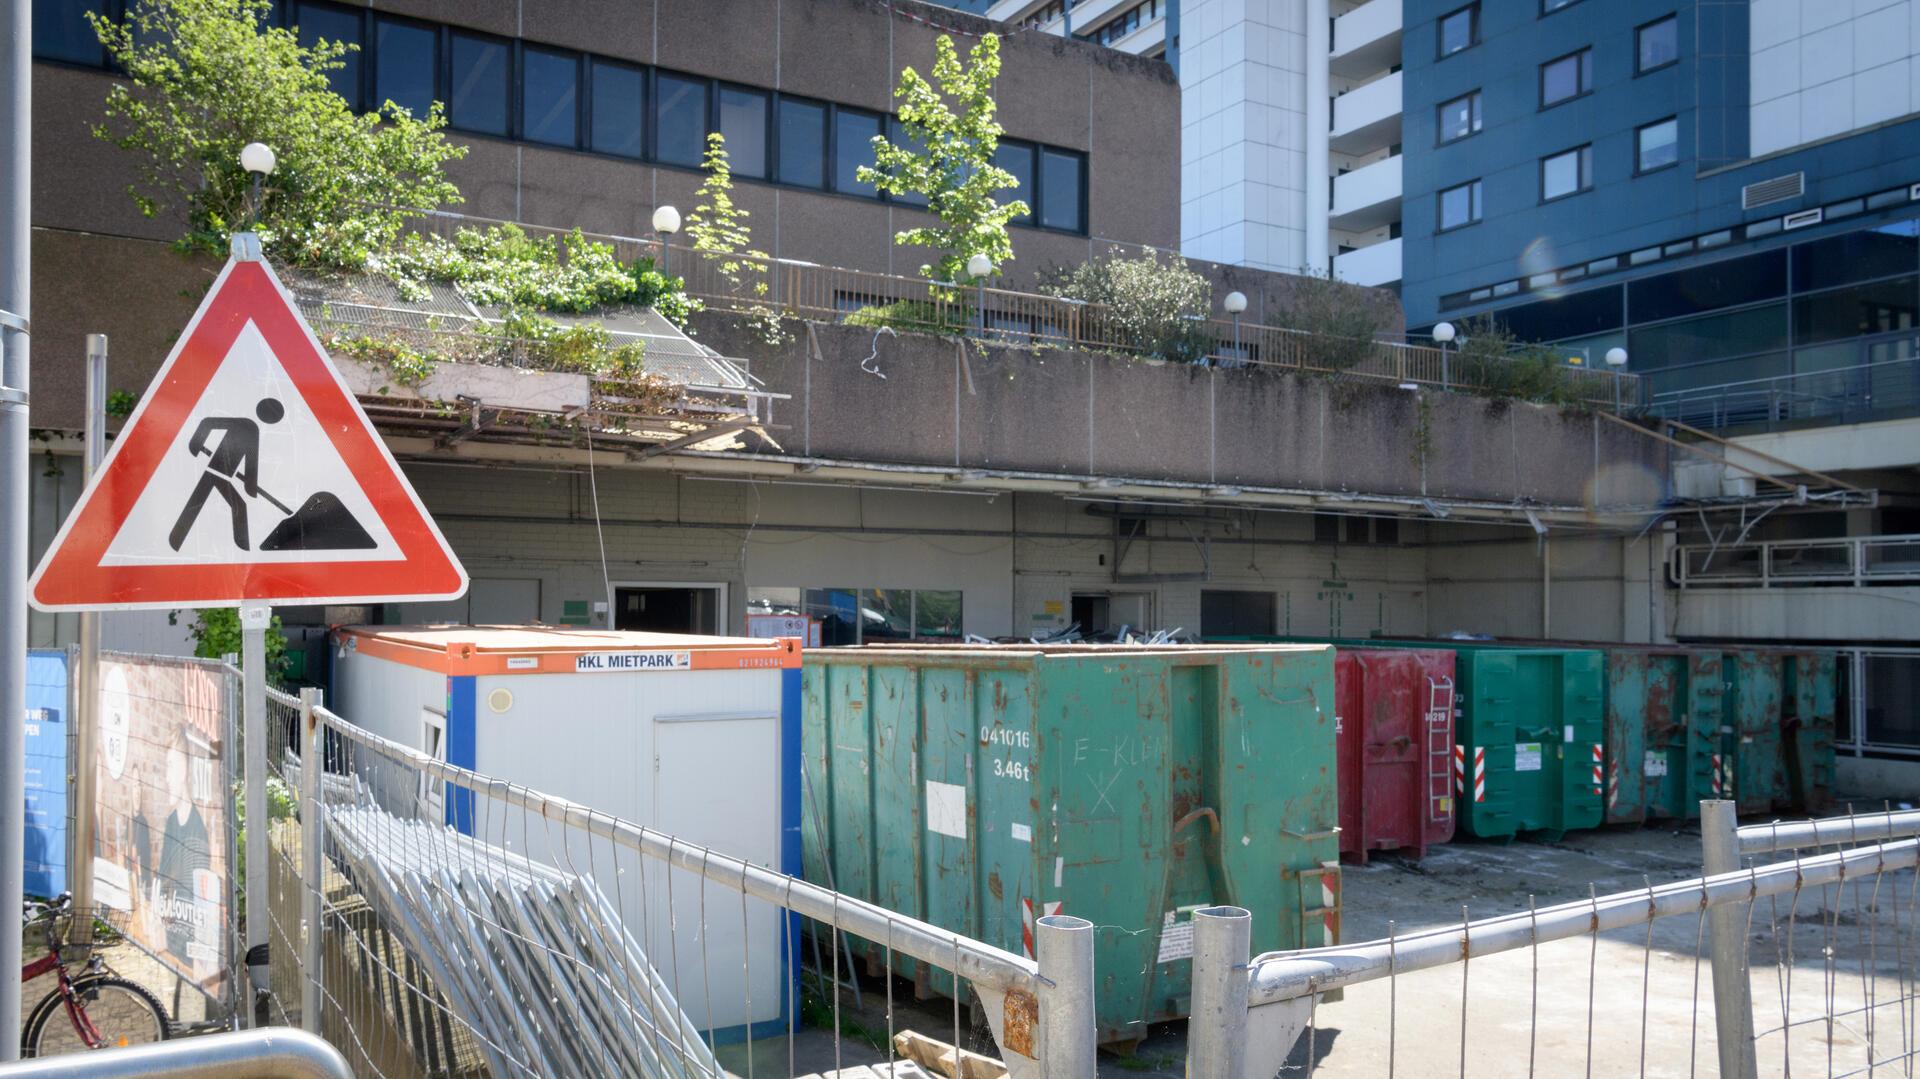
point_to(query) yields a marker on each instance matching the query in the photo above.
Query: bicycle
(103, 1010)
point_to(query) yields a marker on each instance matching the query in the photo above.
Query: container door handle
(1213, 819)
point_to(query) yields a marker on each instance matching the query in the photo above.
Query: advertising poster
(46, 760)
(161, 817)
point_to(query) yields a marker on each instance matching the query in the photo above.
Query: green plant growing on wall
(954, 130)
(719, 231)
(1159, 306)
(1340, 323)
(503, 266)
(667, 295)
(206, 77)
(1493, 362)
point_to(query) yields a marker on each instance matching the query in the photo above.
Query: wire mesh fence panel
(1617, 984)
(470, 925)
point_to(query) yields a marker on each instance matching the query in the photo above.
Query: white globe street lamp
(1235, 303)
(666, 222)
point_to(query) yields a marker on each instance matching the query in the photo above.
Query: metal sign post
(81, 770)
(254, 619)
(16, 276)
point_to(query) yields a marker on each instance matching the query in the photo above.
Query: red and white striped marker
(1027, 919)
(1480, 773)
(1613, 784)
(1599, 776)
(1460, 770)
(1330, 902)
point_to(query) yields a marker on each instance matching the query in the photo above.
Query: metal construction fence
(1801, 965)
(427, 920)
(807, 290)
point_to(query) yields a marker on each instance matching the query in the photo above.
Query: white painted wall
(1826, 67)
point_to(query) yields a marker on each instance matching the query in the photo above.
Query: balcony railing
(812, 292)
(1869, 391)
(1854, 562)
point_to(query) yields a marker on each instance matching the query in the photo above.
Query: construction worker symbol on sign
(321, 523)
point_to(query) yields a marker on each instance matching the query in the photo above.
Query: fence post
(1727, 943)
(1063, 945)
(1217, 1032)
(312, 861)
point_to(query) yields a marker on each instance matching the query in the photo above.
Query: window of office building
(743, 123)
(1459, 117)
(679, 119)
(61, 31)
(482, 84)
(325, 22)
(405, 57)
(1857, 256)
(849, 616)
(1459, 30)
(550, 97)
(1657, 44)
(1657, 145)
(1708, 287)
(1709, 337)
(619, 103)
(1460, 205)
(803, 143)
(1236, 614)
(853, 135)
(897, 135)
(1017, 158)
(1856, 311)
(1566, 78)
(1060, 195)
(1567, 173)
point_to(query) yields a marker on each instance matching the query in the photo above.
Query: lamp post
(666, 222)
(258, 159)
(979, 267)
(1443, 334)
(1617, 361)
(1235, 303)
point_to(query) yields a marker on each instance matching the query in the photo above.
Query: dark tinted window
(550, 102)
(618, 96)
(853, 135)
(1235, 614)
(743, 121)
(61, 31)
(1657, 145)
(897, 134)
(479, 94)
(803, 143)
(1567, 77)
(1709, 337)
(1459, 29)
(1460, 117)
(324, 22)
(1857, 256)
(1460, 205)
(1882, 307)
(1657, 44)
(404, 59)
(1060, 175)
(680, 119)
(1704, 288)
(1017, 158)
(1580, 314)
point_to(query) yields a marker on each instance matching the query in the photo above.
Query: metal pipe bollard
(266, 1053)
(1217, 1030)
(1726, 939)
(1063, 945)
(313, 835)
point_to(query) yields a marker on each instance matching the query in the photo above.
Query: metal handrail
(1835, 394)
(1759, 563)
(267, 1053)
(814, 292)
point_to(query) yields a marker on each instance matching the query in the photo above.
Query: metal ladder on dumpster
(1440, 779)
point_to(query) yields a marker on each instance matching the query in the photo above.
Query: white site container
(698, 737)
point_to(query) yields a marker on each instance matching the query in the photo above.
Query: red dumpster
(1394, 712)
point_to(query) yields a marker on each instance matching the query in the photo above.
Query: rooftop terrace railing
(1885, 389)
(810, 291)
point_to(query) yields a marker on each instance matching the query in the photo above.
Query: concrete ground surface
(1582, 1013)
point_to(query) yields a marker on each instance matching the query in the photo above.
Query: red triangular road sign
(247, 473)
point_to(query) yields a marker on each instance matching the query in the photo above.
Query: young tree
(719, 229)
(954, 168)
(210, 76)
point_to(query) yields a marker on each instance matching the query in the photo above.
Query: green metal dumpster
(1812, 699)
(979, 788)
(1663, 731)
(1531, 739)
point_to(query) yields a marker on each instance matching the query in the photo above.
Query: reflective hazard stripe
(1027, 919)
(1480, 774)
(1599, 778)
(1460, 770)
(1330, 901)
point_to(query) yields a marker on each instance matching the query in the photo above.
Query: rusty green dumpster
(1812, 704)
(1663, 731)
(979, 788)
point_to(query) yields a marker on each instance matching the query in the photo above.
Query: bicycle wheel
(122, 1011)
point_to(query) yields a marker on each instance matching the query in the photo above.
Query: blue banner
(46, 758)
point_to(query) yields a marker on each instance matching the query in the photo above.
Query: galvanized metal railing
(1828, 395)
(1251, 1012)
(1854, 561)
(271, 1053)
(1040, 1010)
(807, 290)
